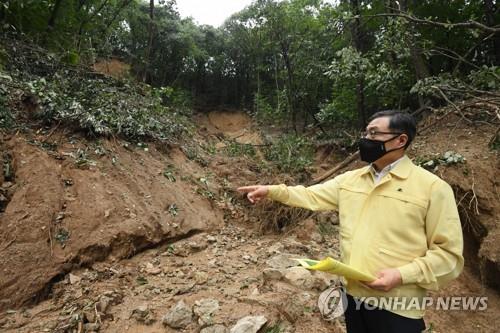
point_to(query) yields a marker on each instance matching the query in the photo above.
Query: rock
(90, 316)
(91, 327)
(214, 329)
(282, 261)
(205, 310)
(200, 277)
(211, 239)
(179, 316)
(73, 279)
(103, 304)
(294, 246)
(270, 274)
(249, 324)
(323, 280)
(7, 184)
(151, 269)
(276, 248)
(184, 289)
(143, 314)
(299, 277)
(197, 246)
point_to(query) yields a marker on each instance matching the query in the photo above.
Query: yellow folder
(333, 266)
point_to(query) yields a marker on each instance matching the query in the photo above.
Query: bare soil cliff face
(65, 214)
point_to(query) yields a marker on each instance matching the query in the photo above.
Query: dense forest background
(299, 63)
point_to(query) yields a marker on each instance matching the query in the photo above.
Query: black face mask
(372, 150)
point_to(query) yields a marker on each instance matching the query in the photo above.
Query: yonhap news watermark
(333, 302)
(401, 303)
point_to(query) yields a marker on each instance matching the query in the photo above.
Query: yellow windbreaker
(408, 221)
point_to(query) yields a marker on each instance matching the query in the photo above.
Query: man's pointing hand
(254, 193)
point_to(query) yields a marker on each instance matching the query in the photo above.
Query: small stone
(151, 269)
(270, 274)
(90, 316)
(91, 327)
(7, 184)
(73, 279)
(249, 324)
(103, 304)
(179, 316)
(60, 216)
(275, 249)
(197, 246)
(299, 277)
(282, 261)
(200, 277)
(211, 239)
(143, 314)
(205, 310)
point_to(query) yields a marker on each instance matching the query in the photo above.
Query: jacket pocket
(405, 198)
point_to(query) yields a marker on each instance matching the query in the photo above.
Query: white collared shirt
(377, 176)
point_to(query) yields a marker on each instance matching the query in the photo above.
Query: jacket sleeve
(317, 197)
(443, 260)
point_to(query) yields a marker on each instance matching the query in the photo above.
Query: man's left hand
(386, 280)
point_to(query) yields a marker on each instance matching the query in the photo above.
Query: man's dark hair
(400, 122)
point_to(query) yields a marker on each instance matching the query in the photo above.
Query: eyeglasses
(373, 133)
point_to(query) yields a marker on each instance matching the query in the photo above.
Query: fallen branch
(435, 122)
(338, 167)
(494, 137)
(453, 104)
(51, 132)
(423, 108)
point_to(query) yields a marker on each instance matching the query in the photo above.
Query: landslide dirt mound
(75, 202)
(112, 67)
(229, 125)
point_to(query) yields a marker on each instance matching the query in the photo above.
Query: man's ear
(403, 139)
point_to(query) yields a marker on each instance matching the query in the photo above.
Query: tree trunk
(84, 21)
(289, 72)
(53, 15)
(421, 69)
(358, 45)
(489, 11)
(147, 64)
(278, 97)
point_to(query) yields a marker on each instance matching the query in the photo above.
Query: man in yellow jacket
(398, 222)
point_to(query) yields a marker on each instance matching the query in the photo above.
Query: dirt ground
(112, 67)
(108, 236)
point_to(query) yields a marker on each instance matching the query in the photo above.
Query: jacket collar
(401, 170)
